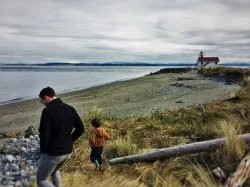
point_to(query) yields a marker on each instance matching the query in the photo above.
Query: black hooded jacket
(58, 120)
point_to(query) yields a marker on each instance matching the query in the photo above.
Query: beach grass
(160, 129)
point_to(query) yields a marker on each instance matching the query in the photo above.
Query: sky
(168, 31)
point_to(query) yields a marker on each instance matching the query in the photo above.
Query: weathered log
(238, 178)
(174, 151)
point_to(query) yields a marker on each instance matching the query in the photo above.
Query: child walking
(97, 141)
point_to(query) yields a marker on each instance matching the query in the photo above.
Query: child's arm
(106, 135)
(92, 139)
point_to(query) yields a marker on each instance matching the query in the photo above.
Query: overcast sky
(38, 31)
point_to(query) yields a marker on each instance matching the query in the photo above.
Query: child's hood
(100, 132)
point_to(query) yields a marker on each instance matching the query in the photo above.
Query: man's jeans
(49, 166)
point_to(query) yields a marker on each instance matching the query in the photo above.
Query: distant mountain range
(115, 64)
(100, 64)
(118, 63)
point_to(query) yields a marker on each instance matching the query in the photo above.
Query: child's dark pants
(96, 154)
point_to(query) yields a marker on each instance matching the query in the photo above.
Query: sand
(136, 97)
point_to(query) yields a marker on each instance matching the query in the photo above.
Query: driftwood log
(242, 173)
(174, 151)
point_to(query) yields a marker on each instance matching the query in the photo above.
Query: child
(97, 140)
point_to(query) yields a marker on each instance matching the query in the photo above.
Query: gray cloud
(131, 30)
(235, 6)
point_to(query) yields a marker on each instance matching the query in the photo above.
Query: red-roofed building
(206, 61)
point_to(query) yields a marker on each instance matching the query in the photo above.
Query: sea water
(19, 83)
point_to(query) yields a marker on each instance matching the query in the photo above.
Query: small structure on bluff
(206, 61)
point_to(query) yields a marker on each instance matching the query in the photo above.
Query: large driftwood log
(238, 178)
(174, 151)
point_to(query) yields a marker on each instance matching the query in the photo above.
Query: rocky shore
(173, 70)
(18, 160)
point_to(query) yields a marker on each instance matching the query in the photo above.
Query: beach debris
(10, 134)
(233, 99)
(165, 153)
(31, 131)
(185, 78)
(128, 99)
(202, 108)
(178, 87)
(155, 109)
(219, 175)
(194, 138)
(177, 84)
(242, 173)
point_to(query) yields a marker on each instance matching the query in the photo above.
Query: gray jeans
(49, 166)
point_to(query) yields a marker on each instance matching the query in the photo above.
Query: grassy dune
(165, 128)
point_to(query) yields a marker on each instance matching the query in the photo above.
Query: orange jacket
(98, 137)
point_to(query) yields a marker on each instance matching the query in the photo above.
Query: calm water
(22, 83)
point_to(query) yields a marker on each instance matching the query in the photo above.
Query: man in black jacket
(58, 120)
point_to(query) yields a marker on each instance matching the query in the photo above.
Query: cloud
(138, 30)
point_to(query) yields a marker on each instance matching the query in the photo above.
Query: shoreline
(125, 98)
(29, 98)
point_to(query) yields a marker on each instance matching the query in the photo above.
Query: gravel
(18, 161)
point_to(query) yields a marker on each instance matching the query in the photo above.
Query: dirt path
(135, 97)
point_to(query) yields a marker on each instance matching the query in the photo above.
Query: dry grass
(80, 179)
(164, 129)
(245, 90)
(235, 146)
